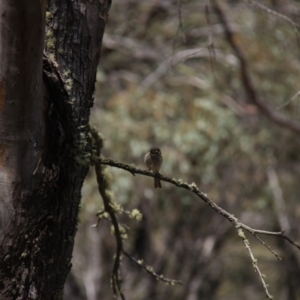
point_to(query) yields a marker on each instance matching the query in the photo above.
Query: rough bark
(44, 112)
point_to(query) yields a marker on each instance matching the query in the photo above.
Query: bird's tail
(157, 183)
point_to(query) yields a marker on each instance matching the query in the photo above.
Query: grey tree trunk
(44, 143)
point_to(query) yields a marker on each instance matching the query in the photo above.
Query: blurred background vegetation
(160, 82)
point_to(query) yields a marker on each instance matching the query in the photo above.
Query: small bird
(153, 160)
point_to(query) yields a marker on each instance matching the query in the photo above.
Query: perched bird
(153, 160)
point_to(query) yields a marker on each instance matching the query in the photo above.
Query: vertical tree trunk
(44, 141)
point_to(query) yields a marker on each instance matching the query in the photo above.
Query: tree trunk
(44, 140)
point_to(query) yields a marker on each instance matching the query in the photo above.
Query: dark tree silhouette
(45, 102)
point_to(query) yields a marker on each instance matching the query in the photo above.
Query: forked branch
(239, 226)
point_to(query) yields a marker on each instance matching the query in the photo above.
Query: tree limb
(247, 82)
(194, 189)
(239, 226)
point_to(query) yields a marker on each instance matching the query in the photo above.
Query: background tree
(161, 83)
(44, 107)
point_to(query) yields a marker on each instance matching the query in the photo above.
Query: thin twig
(254, 261)
(274, 13)
(266, 245)
(149, 270)
(289, 240)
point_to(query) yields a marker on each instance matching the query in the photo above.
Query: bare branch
(174, 60)
(194, 189)
(149, 270)
(274, 13)
(254, 262)
(249, 87)
(121, 43)
(182, 56)
(109, 213)
(264, 232)
(191, 187)
(266, 245)
(103, 185)
(289, 101)
(232, 219)
(98, 161)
